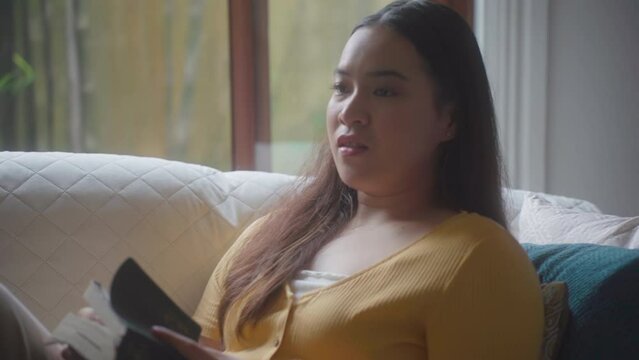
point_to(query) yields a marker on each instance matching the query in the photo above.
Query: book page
(90, 339)
(101, 304)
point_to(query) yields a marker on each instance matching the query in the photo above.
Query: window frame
(250, 88)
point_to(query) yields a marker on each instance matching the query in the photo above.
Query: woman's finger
(89, 313)
(185, 346)
(68, 353)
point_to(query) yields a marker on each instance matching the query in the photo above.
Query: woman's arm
(492, 309)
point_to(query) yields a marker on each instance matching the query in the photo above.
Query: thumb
(185, 346)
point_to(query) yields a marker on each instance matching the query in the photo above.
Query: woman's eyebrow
(376, 73)
(384, 73)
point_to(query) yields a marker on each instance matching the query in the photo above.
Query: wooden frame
(250, 109)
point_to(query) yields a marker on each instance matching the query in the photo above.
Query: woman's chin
(356, 179)
(349, 177)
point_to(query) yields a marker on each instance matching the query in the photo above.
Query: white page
(90, 339)
(101, 304)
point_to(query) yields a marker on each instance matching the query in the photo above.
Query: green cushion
(603, 296)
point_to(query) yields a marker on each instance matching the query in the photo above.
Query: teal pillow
(603, 297)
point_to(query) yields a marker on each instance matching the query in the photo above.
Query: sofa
(67, 218)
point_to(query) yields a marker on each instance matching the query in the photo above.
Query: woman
(396, 247)
(400, 233)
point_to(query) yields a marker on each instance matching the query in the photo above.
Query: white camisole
(308, 280)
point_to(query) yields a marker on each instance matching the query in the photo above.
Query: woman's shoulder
(467, 242)
(483, 240)
(474, 229)
(236, 247)
(493, 293)
(477, 225)
(246, 235)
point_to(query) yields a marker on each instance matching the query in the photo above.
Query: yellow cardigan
(466, 290)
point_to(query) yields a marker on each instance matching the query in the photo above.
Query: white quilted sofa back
(68, 218)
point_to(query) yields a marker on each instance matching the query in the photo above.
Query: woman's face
(382, 120)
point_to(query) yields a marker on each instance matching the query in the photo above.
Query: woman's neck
(406, 205)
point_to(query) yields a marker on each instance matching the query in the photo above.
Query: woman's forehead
(379, 48)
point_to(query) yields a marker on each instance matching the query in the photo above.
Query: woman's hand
(190, 349)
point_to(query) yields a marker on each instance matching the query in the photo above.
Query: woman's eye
(339, 88)
(384, 92)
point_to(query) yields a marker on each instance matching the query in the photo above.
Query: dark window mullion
(263, 90)
(249, 81)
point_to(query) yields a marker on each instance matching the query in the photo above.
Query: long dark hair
(468, 175)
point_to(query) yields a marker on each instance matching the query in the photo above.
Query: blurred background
(153, 77)
(156, 77)
(243, 84)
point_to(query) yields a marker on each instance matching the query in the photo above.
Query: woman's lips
(351, 149)
(350, 145)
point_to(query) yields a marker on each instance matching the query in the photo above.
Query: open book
(135, 304)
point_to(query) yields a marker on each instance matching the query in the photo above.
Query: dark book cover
(134, 305)
(140, 303)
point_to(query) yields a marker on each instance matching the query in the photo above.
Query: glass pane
(306, 38)
(151, 78)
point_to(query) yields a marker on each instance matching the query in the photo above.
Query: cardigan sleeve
(491, 309)
(206, 312)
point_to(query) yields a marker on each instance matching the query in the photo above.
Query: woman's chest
(365, 316)
(380, 310)
(361, 324)
(357, 251)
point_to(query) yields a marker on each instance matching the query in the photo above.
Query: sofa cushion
(556, 314)
(542, 222)
(603, 297)
(67, 218)
(514, 200)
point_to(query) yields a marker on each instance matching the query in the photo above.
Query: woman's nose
(354, 112)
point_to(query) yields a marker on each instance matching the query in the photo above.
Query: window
(226, 83)
(141, 77)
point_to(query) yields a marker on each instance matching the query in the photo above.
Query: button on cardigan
(465, 290)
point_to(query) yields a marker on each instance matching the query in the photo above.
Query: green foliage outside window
(20, 78)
